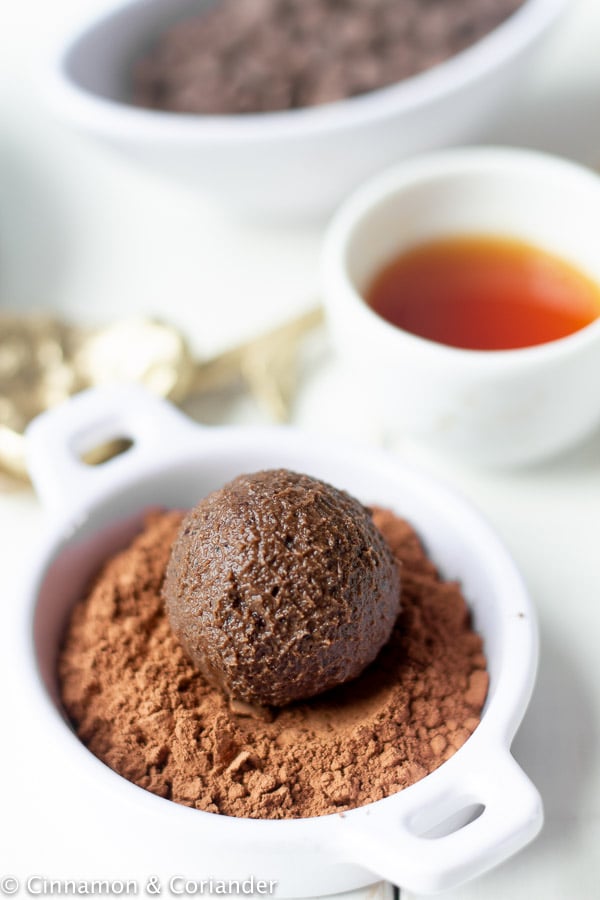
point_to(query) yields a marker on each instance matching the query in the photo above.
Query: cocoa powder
(137, 703)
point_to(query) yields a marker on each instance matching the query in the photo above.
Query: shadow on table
(32, 246)
(565, 122)
(577, 463)
(558, 743)
(557, 746)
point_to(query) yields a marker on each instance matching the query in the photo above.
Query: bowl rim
(101, 114)
(494, 733)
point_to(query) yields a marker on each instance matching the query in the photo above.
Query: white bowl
(285, 164)
(173, 462)
(504, 407)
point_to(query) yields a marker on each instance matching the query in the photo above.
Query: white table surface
(90, 235)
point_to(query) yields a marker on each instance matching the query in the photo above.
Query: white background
(88, 234)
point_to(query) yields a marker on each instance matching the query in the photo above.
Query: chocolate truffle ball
(280, 587)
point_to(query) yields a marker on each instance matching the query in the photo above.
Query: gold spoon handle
(43, 361)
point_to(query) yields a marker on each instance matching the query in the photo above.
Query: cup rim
(464, 161)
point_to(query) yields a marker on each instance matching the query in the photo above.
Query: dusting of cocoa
(138, 704)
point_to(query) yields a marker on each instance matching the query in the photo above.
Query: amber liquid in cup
(484, 293)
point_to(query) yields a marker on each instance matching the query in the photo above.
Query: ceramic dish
(290, 164)
(474, 811)
(502, 407)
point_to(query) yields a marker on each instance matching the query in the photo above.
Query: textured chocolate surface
(280, 587)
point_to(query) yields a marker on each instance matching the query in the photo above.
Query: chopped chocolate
(248, 56)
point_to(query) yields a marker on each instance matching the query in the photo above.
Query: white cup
(490, 407)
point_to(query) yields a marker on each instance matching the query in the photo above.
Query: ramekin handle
(395, 846)
(57, 439)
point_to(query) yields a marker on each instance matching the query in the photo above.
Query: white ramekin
(291, 164)
(417, 838)
(502, 407)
